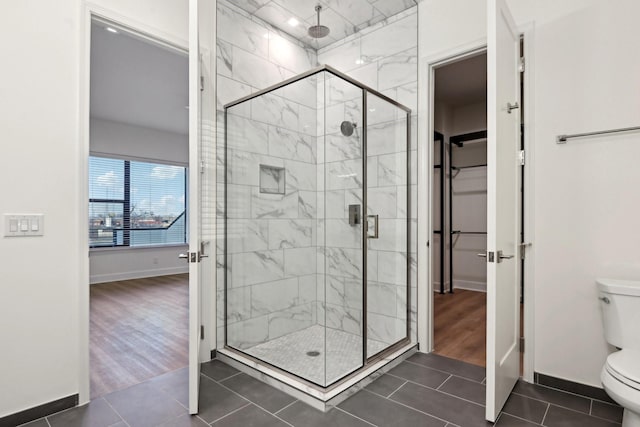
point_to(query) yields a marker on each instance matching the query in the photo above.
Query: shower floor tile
(343, 353)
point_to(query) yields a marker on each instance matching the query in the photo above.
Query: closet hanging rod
(467, 167)
(562, 139)
(468, 232)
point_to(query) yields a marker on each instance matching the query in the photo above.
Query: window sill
(136, 248)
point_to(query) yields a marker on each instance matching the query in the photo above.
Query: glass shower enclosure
(316, 229)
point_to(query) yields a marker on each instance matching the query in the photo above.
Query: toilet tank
(620, 304)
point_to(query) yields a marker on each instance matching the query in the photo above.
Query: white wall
(586, 68)
(107, 265)
(41, 282)
(109, 138)
(586, 200)
(39, 174)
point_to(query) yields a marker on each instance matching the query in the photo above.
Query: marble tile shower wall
(278, 253)
(340, 183)
(271, 238)
(384, 57)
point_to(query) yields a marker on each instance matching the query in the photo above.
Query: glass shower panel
(272, 196)
(387, 206)
(340, 173)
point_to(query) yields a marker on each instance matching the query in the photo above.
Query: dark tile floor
(426, 390)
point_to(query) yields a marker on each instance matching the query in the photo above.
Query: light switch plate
(23, 225)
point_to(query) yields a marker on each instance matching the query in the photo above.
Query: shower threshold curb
(315, 396)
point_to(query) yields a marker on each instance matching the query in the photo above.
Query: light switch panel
(23, 225)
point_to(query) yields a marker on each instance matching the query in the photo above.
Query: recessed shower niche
(310, 292)
(272, 179)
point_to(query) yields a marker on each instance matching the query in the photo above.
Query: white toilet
(620, 303)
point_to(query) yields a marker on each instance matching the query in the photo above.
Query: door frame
(426, 162)
(88, 11)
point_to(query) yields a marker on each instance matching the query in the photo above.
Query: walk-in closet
(460, 209)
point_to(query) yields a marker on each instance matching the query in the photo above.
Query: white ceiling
(463, 82)
(138, 82)
(343, 17)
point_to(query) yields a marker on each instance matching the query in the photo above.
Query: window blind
(134, 203)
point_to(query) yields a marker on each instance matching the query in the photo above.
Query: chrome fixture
(318, 31)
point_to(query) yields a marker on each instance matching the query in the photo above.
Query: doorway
(137, 182)
(459, 200)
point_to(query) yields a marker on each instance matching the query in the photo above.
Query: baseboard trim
(572, 387)
(40, 411)
(142, 274)
(462, 284)
(470, 286)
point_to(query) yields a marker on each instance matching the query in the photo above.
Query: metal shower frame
(367, 361)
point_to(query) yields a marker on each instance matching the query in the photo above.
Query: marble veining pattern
(343, 17)
(298, 245)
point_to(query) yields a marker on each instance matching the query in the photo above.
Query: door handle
(501, 256)
(489, 255)
(511, 106)
(189, 256)
(375, 226)
(201, 255)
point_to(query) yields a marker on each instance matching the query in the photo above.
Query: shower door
(341, 225)
(388, 202)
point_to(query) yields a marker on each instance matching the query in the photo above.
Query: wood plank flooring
(139, 330)
(461, 326)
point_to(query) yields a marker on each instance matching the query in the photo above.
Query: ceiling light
(111, 30)
(359, 61)
(293, 22)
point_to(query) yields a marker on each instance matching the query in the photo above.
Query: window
(136, 203)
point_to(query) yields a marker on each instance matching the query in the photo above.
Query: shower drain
(313, 353)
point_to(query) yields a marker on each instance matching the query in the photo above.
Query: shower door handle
(372, 220)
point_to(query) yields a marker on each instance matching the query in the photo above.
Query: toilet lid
(625, 366)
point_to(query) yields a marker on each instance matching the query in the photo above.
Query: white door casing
(194, 212)
(503, 187)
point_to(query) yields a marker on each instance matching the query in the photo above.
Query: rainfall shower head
(347, 128)
(318, 31)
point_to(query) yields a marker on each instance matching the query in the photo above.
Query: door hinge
(521, 158)
(202, 166)
(201, 332)
(521, 65)
(201, 83)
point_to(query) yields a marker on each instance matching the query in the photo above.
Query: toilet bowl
(621, 380)
(620, 304)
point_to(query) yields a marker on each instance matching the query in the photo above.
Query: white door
(194, 208)
(503, 186)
